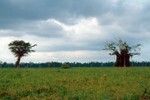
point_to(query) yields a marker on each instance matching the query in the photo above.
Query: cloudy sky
(73, 30)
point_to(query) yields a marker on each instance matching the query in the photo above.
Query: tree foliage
(20, 48)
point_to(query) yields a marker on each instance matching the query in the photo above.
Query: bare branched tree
(123, 52)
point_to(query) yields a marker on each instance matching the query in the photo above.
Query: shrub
(65, 65)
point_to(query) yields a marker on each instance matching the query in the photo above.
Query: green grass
(75, 84)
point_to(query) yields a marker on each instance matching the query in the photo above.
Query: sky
(73, 30)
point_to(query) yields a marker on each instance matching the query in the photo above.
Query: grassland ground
(75, 83)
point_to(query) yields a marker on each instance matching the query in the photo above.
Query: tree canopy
(20, 48)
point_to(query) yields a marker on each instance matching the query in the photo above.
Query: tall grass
(75, 84)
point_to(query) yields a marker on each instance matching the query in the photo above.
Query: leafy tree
(20, 48)
(123, 52)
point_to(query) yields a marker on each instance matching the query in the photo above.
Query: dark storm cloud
(20, 16)
(61, 19)
(51, 8)
(15, 11)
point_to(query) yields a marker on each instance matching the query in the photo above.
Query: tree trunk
(127, 60)
(18, 62)
(122, 60)
(118, 60)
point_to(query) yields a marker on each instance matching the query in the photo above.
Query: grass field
(75, 84)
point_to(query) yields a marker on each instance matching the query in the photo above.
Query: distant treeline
(74, 64)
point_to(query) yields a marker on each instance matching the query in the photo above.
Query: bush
(65, 65)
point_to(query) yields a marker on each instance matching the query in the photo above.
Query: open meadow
(75, 83)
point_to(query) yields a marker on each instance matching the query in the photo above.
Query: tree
(123, 52)
(20, 48)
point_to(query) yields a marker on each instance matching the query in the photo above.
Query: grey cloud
(43, 9)
(15, 11)
(118, 20)
(35, 28)
(72, 46)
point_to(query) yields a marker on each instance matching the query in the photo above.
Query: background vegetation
(73, 64)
